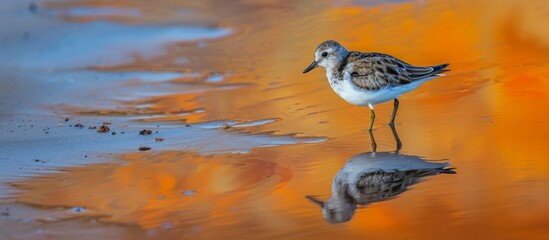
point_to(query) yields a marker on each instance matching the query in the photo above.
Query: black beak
(310, 67)
(315, 201)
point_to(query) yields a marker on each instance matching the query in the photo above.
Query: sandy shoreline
(45, 87)
(37, 92)
(39, 135)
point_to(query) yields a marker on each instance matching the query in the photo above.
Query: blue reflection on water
(100, 43)
(106, 11)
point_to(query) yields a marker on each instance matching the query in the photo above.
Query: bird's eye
(324, 54)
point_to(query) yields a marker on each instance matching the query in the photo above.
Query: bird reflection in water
(374, 177)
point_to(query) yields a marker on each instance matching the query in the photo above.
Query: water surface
(239, 76)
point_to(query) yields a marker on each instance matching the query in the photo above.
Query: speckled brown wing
(383, 185)
(373, 71)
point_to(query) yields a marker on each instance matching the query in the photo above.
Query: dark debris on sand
(40, 161)
(144, 148)
(103, 129)
(33, 7)
(145, 132)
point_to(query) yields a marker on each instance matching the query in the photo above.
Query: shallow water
(251, 146)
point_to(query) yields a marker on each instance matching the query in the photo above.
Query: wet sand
(246, 137)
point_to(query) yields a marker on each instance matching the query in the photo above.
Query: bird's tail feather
(418, 73)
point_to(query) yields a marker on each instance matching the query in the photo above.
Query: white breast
(362, 97)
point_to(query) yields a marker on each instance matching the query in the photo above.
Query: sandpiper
(366, 79)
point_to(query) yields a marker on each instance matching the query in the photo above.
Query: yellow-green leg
(395, 109)
(397, 139)
(374, 144)
(372, 118)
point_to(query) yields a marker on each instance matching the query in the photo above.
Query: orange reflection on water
(488, 117)
(150, 189)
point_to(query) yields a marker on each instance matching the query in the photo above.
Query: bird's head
(335, 210)
(328, 54)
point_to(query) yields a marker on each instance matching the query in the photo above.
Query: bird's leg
(395, 109)
(372, 118)
(397, 139)
(374, 144)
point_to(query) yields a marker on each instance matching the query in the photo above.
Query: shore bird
(369, 78)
